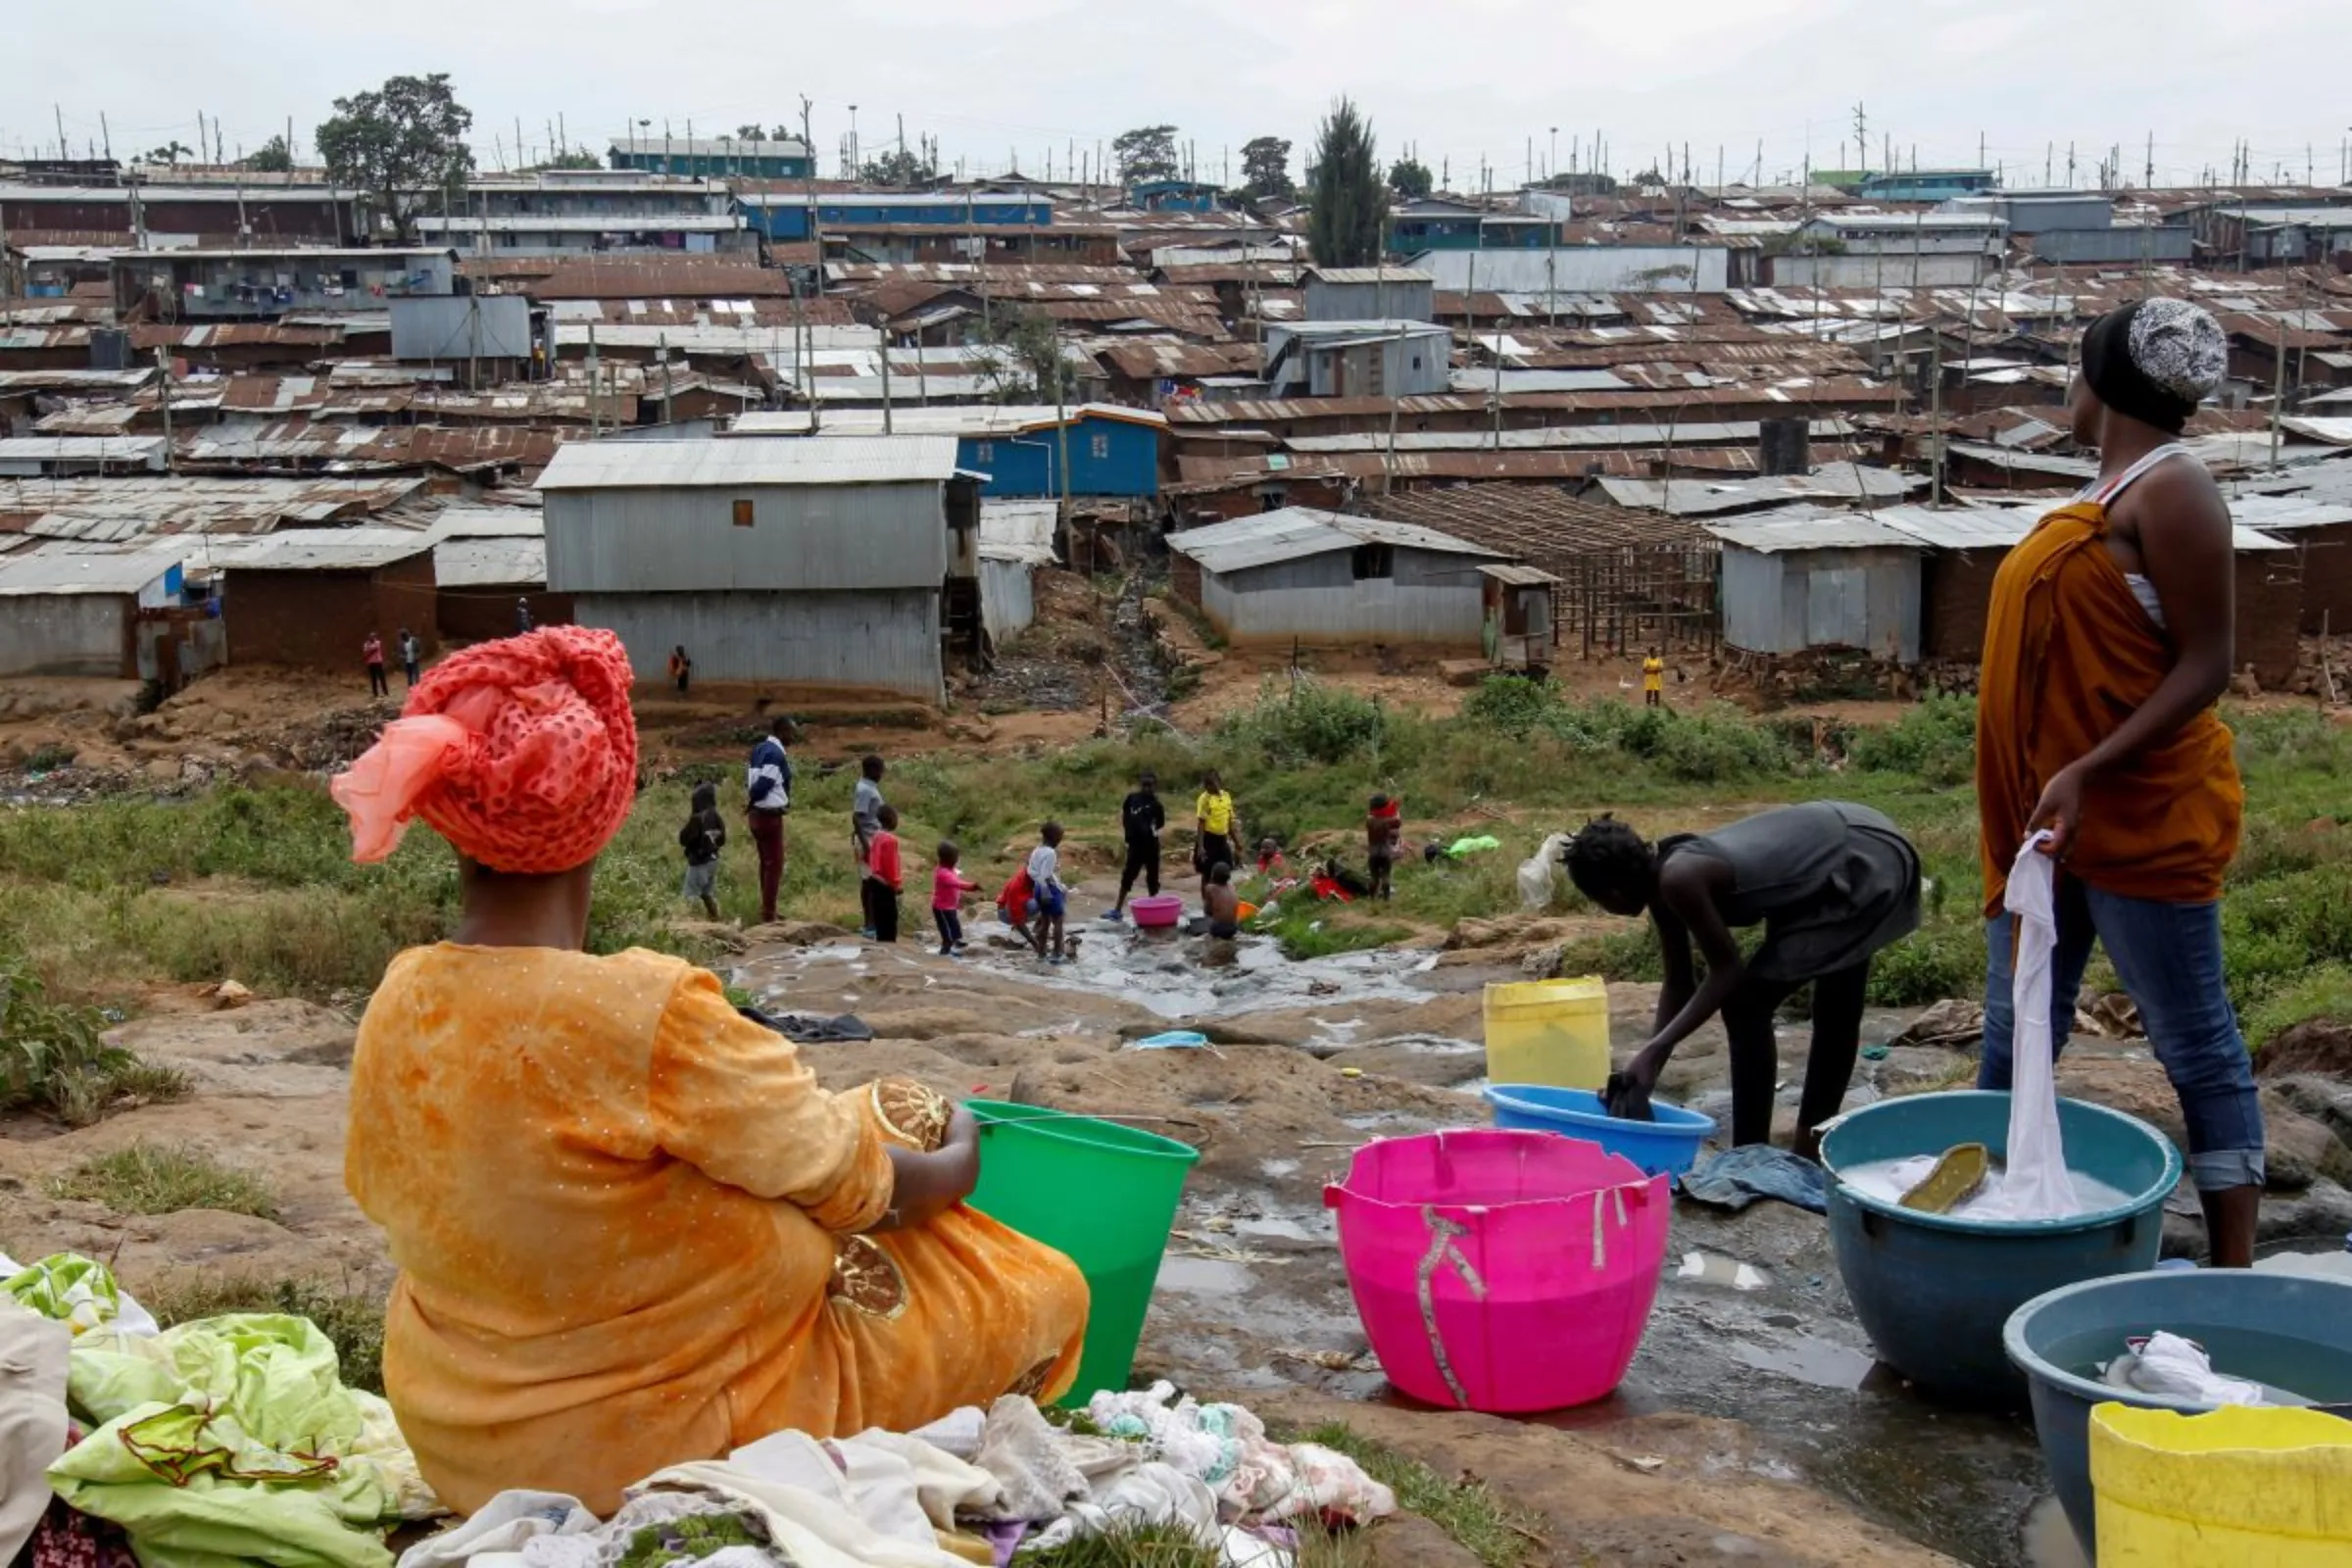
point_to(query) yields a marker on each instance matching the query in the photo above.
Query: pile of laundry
(975, 1488)
(231, 1436)
(235, 1438)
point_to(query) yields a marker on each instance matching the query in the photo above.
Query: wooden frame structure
(1628, 580)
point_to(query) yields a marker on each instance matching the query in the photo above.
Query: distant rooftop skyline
(1475, 83)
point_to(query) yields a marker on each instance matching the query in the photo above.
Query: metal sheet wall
(802, 537)
(1008, 598)
(1896, 266)
(885, 640)
(67, 634)
(1432, 599)
(1791, 601)
(1584, 270)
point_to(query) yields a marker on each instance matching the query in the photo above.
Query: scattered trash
(229, 994)
(1876, 1052)
(1173, 1040)
(1706, 1268)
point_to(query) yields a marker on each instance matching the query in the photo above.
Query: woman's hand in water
(1627, 1093)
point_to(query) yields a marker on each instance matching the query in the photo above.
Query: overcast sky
(1461, 79)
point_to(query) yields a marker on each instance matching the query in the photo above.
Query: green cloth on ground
(1480, 844)
(77, 1292)
(235, 1439)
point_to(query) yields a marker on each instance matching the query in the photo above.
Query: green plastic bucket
(1102, 1194)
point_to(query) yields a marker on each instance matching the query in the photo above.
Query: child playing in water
(1052, 898)
(947, 888)
(1224, 905)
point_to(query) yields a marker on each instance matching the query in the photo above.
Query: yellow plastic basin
(2238, 1487)
(1549, 1032)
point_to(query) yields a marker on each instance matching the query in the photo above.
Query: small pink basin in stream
(1159, 909)
(1502, 1271)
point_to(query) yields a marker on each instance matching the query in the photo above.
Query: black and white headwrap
(2155, 360)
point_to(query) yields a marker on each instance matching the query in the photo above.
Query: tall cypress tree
(1350, 204)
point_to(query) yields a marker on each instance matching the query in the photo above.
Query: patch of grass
(1307, 929)
(1489, 1529)
(2322, 992)
(54, 1058)
(163, 1179)
(354, 1321)
(1146, 1547)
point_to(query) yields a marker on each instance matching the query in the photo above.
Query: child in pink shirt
(947, 888)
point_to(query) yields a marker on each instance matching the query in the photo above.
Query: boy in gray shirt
(866, 812)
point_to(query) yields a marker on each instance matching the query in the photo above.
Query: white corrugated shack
(1016, 537)
(1807, 578)
(817, 561)
(1329, 578)
(77, 615)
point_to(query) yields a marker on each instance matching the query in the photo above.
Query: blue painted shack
(783, 215)
(1926, 184)
(1113, 451)
(1173, 196)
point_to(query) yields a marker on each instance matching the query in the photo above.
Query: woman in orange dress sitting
(631, 1229)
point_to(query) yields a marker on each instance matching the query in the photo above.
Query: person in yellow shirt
(1653, 680)
(1216, 826)
(632, 1229)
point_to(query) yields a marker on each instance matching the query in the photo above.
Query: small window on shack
(743, 513)
(1374, 561)
(1102, 446)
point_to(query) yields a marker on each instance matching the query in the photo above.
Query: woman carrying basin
(1830, 882)
(2108, 641)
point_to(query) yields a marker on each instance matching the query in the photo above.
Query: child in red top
(947, 888)
(881, 887)
(1017, 907)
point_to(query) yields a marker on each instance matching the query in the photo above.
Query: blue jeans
(2169, 958)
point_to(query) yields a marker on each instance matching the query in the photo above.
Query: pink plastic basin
(1500, 1271)
(1160, 910)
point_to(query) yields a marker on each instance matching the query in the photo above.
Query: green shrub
(1514, 706)
(1310, 723)
(1935, 741)
(54, 1058)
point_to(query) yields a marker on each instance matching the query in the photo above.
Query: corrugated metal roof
(1682, 498)
(1370, 275)
(1473, 381)
(121, 449)
(2287, 513)
(802, 461)
(490, 563)
(489, 523)
(1018, 531)
(1517, 576)
(1805, 528)
(1295, 532)
(54, 571)
(319, 550)
(978, 420)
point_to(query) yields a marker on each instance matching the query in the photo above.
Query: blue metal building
(1173, 196)
(785, 217)
(1113, 451)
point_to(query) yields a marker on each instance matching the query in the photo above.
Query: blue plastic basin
(1666, 1146)
(2289, 1330)
(1935, 1292)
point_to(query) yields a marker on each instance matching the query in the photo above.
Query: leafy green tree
(1267, 169)
(899, 167)
(272, 159)
(1031, 365)
(1148, 152)
(1410, 178)
(569, 158)
(1350, 208)
(402, 143)
(171, 152)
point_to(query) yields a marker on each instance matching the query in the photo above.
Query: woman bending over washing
(632, 1231)
(1832, 883)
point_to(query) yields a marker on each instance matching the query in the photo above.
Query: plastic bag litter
(1539, 875)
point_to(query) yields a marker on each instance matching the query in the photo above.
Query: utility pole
(1862, 138)
(1388, 467)
(887, 427)
(596, 422)
(817, 233)
(1062, 426)
(106, 136)
(2277, 393)
(163, 368)
(2148, 173)
(661, 349)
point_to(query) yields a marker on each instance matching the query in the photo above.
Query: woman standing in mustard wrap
(2107, 643)
(631, 1229)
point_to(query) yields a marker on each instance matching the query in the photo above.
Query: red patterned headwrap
(523, 754)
